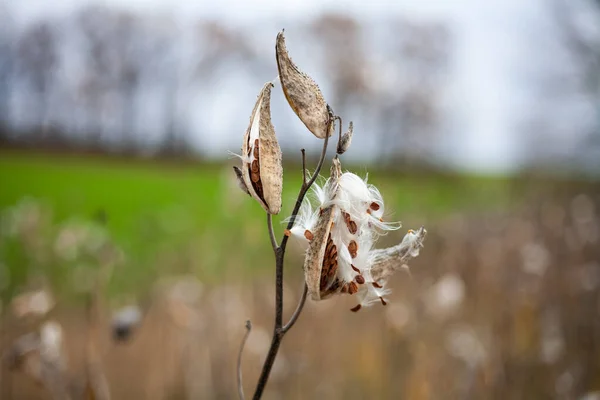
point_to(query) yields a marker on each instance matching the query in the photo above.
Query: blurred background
(123, 230)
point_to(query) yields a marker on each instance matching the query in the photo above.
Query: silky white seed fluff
(354, 196)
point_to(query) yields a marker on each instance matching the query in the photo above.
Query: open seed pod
(320, 264)
(302, 93)
(262, 173)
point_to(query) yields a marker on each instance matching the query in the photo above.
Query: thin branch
(272, 233)
(303, 166)
(297, 312)
(278, 330)
(239, 361)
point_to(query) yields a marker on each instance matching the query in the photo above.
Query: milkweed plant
(338, 222)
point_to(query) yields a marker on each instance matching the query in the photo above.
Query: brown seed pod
(302, 93)
(262, 171)
(346, 139)
(321, 255)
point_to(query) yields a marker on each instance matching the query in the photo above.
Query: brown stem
(297, 312)
(239, 362)
(272, 233)
(279, 331)
(303, 166)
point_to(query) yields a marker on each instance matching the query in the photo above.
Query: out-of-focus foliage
(501, 305)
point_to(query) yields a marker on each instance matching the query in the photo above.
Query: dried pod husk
(262, 171)
(240, 180)
(302, 93)
(318, 283)
(386, 261)
(346, 139)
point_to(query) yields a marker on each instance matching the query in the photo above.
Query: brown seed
(377, 285)
(374, 206)
(352, 287)
(323, 283)
(356, 308)
(354, 268)
(383, 301)
(287, 233)
(255, 166)
(346, 216)
(353, 249)
(369, 211)
(359, 279)
(352, 227)
(345, 288)
(308, 235)
(334, 253)
(332, 269)
(256, 149)
(255, 177)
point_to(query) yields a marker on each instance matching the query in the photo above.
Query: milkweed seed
(352, 227)
(354, 268)
(352, 287)
(353, 249)
(255, 167)
(356, 308)
(256, 149)
(377, 285)
(383, 301)
(359, 279)
(374, 206)
(308, 235)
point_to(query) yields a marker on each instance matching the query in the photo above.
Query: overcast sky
(491, 38)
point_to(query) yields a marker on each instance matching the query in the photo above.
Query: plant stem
(279, 330)
(239, 363)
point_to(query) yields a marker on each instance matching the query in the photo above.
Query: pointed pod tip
(302, 92)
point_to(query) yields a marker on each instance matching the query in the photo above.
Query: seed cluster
(330, 264)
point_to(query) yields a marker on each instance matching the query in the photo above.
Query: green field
(179, 218)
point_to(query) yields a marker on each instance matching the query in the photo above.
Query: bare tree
(36, 51)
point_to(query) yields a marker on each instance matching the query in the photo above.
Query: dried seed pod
(346, 139)
(321, 255)
(302, 93)
(262, 171)
(240, 180)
